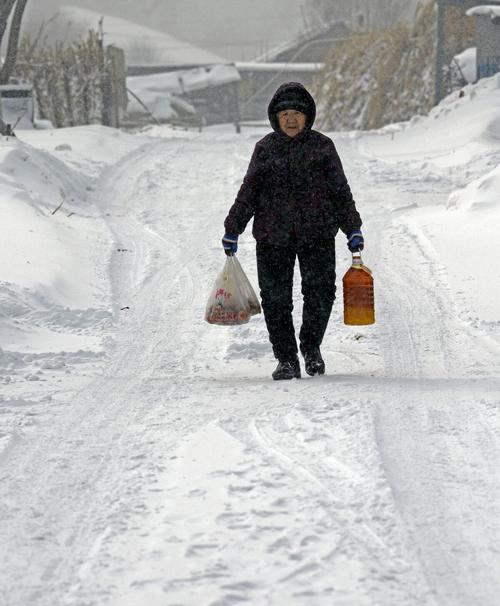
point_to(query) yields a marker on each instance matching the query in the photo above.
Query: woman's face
(291, 121)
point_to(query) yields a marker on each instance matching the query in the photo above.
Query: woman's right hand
(230, 244)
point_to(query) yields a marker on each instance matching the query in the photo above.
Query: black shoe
(287, 369)
(314, 363)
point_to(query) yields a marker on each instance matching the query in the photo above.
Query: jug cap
(356, 258)
(357, 263)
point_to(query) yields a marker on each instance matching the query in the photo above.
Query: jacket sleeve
(243, 208)
(345, 208)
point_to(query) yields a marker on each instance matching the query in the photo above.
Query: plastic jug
(359, 304)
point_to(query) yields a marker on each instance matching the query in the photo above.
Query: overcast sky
(235, 29)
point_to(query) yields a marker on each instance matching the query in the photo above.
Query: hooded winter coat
(295, 187)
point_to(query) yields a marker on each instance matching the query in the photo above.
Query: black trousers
(275, 266)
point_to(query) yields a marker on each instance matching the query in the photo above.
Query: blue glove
(230, 244)
(355, 241)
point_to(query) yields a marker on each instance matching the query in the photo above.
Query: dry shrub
(68, 80)
(387, 76)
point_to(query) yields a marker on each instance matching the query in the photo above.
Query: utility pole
(439, 51)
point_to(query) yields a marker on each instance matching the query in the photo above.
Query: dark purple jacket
(295, 188)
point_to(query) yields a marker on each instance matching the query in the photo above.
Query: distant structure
(185, 73)
(17, 105)
(312, 46)
(487, 19)
(243, 92)
(440, 42)
(171, 80)
(193, 97)
(260, 80)
(299, 59)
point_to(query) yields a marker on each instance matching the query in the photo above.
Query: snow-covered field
(146, 457)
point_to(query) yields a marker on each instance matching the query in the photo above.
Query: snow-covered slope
(235, 29)
(54, 287)
(462, 129)
(162, 465)
(142, 45)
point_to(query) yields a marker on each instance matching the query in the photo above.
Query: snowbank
(453, 213)
(460, 128)
(467, 62)
(490, 10)
(85, 149)
(481, 194)
(54, 290)
(43, 202)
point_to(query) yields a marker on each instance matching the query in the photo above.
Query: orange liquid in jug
(359, 308)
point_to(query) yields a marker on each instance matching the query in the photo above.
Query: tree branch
(15, 31)
(5, 9)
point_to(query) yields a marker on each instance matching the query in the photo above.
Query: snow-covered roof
(488, 10)
(257, 66)
(184, 81)
(16, 87)
(142, 45)
(158, 91)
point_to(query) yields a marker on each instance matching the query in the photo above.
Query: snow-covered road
(179, 473)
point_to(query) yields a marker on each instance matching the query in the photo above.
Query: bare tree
(5, 10)
(6, 7)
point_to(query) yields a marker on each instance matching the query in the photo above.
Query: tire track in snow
(437, 447)
(90, 449)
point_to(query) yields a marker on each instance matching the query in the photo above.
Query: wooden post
(236, 106)
(117, 72)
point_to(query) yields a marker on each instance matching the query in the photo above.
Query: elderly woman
(296, 191)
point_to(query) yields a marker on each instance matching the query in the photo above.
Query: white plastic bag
(246, 289)
(232, 300)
